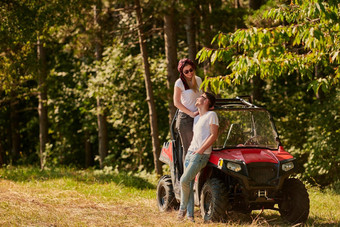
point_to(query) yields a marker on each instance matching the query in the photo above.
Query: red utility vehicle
(248, 168)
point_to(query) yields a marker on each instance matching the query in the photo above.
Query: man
(205, 133)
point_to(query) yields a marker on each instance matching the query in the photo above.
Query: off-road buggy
(248, 168)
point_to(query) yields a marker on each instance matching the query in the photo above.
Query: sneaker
(191, 219)
(181, 214)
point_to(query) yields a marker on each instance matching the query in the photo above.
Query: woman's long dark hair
(181, 64)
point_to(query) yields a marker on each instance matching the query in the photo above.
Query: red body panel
(249, 155)
(167, 151)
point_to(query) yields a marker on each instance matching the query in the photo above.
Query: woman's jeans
(192, 165)
(184, 124)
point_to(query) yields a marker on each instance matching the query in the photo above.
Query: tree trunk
(1, 154)
(15, 137)
(101, 117)
(320, 94)
(255, 4)
(171, 56)
(42, 106)
(258, 83)
(206, 34)
(237, 4)
(102, 133)
(149, 93)
(88, 151)
(206, 14)
(191, 34)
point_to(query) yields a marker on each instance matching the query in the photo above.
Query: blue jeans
(192, 165)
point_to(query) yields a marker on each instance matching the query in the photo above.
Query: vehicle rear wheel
(294, 207)
(214, 200)
(165, 195)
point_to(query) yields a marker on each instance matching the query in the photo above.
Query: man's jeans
(192, 165)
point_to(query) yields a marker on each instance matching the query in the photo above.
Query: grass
(68, 197)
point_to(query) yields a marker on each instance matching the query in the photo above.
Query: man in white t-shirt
(205, 133)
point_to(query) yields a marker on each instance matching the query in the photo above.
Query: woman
(186, 92)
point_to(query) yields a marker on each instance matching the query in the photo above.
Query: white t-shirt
(188, 97)
(202, 130)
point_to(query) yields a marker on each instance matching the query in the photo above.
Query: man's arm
(210, 140)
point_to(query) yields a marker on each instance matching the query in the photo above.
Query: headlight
(234, 167)
(287, 166)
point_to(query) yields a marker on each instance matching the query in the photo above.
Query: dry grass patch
(37, 205)
(27, 206)
(78, 198)
(23, 205)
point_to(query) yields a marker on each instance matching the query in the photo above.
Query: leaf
(315, 85)
(199, 53)
(215, 85)
(209, 53)
(215, 37)
(204, 84)
(214, 56)
(317, 7)
(334, 56)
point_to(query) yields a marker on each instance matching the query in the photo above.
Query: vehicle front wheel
(214, 200)
(294, 207)
(165, 195)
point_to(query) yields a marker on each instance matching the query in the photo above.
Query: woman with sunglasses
(186, 92)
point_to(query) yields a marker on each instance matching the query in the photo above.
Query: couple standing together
(197, 127)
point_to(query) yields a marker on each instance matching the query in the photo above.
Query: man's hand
(193, 114)
(197, 152)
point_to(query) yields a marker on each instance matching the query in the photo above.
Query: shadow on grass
(273, 218)
(25, 174)
(320, 221)
(256, 219)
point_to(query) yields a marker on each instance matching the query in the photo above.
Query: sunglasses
(187, 71)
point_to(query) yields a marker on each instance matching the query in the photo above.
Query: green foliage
(90, 176)
(69, 115)
(316, 123)
(323, 140)
(309, 40)
(295, 52)
(293, 48)
(119, 82)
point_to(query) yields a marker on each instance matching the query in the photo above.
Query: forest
(89, 83)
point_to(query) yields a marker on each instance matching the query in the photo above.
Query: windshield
(250, 128)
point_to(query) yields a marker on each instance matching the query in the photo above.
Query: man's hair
(211, 99)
